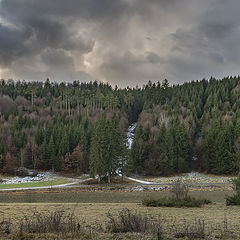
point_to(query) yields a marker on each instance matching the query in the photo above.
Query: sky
(122, 42)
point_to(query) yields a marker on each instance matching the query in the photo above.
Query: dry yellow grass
(97, 211)
(94, 213)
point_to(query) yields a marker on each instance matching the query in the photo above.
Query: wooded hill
(81, 127)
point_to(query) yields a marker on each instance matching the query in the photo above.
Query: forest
(81, 127)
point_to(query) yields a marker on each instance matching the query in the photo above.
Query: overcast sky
(123, 42)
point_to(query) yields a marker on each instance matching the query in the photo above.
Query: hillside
(80, 127)
(194, 125)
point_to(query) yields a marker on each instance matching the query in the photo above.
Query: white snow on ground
(193, 177)
(45, 187)
(41, 176)
(141, 188)
(139, 181)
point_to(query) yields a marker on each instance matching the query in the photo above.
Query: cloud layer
(123, 42)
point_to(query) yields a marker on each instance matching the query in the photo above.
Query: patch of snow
(195, 158)
(41, 176)
(43, 187)
(139, 181)
(194, 177)
(138, 189)
(157, 188)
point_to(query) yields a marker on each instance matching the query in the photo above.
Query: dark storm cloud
(210, 47)
(29, 29)
(124, 42)
(84, 9)
(12, 44)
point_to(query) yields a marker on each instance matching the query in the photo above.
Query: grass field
(50, 183)
(71, 195)
(92, 207)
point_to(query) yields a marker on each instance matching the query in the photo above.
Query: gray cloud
(12, 44)
(124, 42)
(209, 47)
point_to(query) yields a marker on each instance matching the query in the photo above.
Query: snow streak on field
(42, 176)
(193, 177)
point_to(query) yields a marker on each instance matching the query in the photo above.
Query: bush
(55, 222)
(180, 189)
(190, 230)
(235, 199)
(180, 198)
(128, 221)
(54, 225)
(174, 202)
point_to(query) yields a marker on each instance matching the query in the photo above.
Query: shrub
(235, 199)
(180, 198)
(174, 202)
(190, 230)
(180, 189)
(129, 221)
(55, 222)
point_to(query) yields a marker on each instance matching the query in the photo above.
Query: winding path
(46, 187)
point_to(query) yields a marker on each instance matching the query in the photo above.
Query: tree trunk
(99, 179)
(21, 156)
(32, 99)
(109, 178)
(69, 109)
(33, 158)
(78, 107)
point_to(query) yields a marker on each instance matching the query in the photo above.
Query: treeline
(169, 153)
(68, 97)
(189, 126)
(80, 127)
(53, 126)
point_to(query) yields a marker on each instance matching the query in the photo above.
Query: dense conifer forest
(81, 127)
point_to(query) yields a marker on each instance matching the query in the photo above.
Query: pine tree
(96, 151)
(106, 148)
(164, 161)
(51, 154)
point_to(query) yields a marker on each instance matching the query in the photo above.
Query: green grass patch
(174, 202)
(68, 195)
(49, 183)
(233, 200)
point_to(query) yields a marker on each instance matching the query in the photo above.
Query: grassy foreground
(93, 208)
(95, 215)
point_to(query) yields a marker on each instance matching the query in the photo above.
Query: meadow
(49, 183)
(92, 208)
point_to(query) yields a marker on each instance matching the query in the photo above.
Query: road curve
(45, 187)
(137, 182)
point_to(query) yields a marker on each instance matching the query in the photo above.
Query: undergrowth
(173, 202)
(179, 198)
